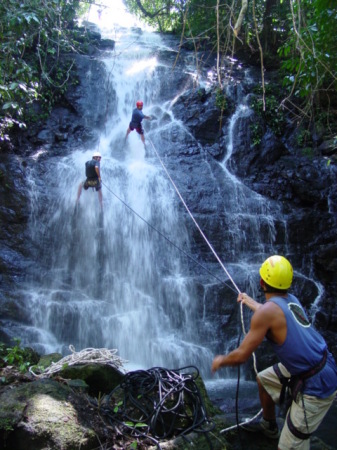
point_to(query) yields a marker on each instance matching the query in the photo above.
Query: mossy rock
(43, 414)
(101, 379)
(47, 360)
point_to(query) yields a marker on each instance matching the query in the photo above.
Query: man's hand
(249, 301)
(217, 363)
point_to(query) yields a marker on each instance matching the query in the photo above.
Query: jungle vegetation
(295, 37)
(34, 35)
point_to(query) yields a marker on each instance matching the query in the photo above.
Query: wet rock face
(305, 188)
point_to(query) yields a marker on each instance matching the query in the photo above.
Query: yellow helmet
(277, 272)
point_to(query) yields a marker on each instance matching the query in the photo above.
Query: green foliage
(116, 408)
(256, 132)
(309, 55)
(220, 99)
(270, 111)
(136, 424)
(6, 424)
(33, 35)
(303, 138)
(14, 356)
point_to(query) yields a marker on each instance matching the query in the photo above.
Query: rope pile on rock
(157, 404)
(86, 356)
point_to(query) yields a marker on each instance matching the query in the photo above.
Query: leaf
(136, 425)
(23, 87)
(10, 105)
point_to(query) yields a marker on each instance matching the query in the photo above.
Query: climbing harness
(157, 404)
(292, 387)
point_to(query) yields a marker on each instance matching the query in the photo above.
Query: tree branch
(147, 13)
(237, 26)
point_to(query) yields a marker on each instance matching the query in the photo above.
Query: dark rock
(328, 148)
(101, 379)
(44, 414)
(200, 114)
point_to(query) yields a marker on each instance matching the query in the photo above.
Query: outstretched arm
(260, 324)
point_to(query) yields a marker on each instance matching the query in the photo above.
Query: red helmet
(139, 104)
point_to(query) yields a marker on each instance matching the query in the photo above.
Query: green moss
(7, 424)
(47, 360)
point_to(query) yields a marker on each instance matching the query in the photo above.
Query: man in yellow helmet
(306, 366)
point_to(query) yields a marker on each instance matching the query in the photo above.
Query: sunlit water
(112, 281)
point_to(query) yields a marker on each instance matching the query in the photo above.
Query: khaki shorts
(92, 184)
(306, 419)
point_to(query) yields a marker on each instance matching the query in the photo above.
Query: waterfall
(111, 280)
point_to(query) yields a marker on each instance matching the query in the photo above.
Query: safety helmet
(277, 272)
(97, 154)
(139, 104)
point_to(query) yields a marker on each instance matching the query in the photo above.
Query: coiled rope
(157, 404)
(86, 356)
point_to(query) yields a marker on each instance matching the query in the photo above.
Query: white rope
(242, 423)
(195, 222)
(86, 356)
(214, 253)
(244, 332)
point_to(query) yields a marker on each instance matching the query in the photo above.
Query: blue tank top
(303, 349)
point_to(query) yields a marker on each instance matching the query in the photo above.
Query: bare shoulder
(267, 312)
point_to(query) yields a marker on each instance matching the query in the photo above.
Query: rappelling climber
(93, 180)
(136, 121)
(307, 370)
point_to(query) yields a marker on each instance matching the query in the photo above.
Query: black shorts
(138, 128)
(92, 183)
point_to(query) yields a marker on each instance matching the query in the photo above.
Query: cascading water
(111, 280)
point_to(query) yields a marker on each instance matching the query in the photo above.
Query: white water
(118, 283)
(115, 282)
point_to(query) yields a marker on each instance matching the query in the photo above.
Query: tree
(33, 34)
(309, 58)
